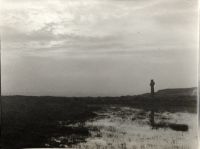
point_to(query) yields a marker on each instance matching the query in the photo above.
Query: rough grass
(28, 121)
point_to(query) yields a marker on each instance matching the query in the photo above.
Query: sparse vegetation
(30, 121)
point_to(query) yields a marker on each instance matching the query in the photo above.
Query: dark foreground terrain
(29, 121)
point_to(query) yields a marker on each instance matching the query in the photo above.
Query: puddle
(128, 128)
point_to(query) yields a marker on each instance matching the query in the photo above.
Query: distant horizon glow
(97, 47)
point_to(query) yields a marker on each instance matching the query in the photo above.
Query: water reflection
(129, 128)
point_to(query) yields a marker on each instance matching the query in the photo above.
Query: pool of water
(129, 128)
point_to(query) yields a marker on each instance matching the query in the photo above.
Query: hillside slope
(178, 92)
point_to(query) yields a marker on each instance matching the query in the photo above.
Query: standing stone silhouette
(152, 84)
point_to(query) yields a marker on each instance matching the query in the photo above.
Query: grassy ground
(28, 121)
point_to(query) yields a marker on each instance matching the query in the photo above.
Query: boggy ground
(129, 128)
(30, 122)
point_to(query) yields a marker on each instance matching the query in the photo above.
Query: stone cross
(152, 83)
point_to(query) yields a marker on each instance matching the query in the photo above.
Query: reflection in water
(128, 128)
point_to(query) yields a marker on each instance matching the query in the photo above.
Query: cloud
(97, 46)
(94, 18)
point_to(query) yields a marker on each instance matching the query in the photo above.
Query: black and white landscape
(102, 122)
(99, 74)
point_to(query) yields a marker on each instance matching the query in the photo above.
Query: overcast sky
(97, 47)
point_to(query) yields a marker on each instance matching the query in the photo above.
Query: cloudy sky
(97, 47)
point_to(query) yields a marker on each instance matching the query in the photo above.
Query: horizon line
(94, 96)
